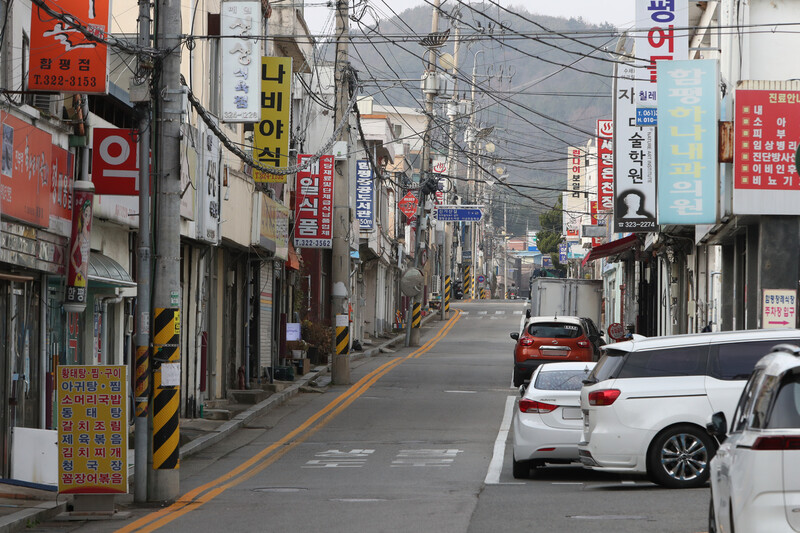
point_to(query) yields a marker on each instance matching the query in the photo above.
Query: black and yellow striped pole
(416, 316)
(448, 291)
(166, 388)
(468, 280)
(342, 335)
(142, 381)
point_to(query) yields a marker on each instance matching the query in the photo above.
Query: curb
(20, 520)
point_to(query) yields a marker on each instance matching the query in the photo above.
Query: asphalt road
(418, 443)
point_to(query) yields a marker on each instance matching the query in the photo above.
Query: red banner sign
(115, 161)
(25, 171)
(605, 165)
(80, 247)
(62, 59)
(313, 208)
(408, 205)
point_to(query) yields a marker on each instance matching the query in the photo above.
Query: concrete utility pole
(142, 362)
(452, 116)
(412, 334)
(164, 484)
(342, 226)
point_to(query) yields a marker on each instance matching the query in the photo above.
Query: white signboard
(240, 60)
(778, 308)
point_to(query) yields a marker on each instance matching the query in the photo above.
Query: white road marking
(337, 459)
(462, 391)
(517, 312)
(481, 312)
(425, 457)
(498, 455)
(499, 312)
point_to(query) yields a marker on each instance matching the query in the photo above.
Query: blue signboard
(364, 196)
(688, 105)
(466, 255)
(563, 250)
(457, 214)
(547, 261)
(646, 116)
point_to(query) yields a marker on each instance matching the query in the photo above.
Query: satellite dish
(412, 282)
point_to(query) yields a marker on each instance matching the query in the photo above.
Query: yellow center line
(208, 491)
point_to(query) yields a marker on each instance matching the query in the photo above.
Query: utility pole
(342, 226)
(505, 250)
(142, 362)
(164, 484)
(412, 334)
(452, 116)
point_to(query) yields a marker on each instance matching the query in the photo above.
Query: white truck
(567, 297)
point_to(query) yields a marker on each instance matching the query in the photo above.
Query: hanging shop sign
(634, 162)
(575, 198)
(408, 205)
(115, 161)
(61, 177)
(365, 196)
(92, 429)
(271, 145)
(313, 211)
(687, 141)
(62, 58)
(605, 165)
(209, 186)
(80, 247)
(240, 29)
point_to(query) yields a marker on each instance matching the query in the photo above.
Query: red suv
(562, 338)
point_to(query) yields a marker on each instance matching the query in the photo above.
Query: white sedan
(547, 422)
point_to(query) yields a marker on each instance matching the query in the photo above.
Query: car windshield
(554, 330)
(561, 379)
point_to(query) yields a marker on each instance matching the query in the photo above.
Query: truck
(566, 297)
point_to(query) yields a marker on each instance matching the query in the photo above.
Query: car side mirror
(527, 313)
(515, 336)
(718, 427)
(522, 389)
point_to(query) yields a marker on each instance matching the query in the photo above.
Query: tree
(549, 236)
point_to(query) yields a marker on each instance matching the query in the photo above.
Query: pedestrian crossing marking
(425, 457)
(337, 459)
(481, 312)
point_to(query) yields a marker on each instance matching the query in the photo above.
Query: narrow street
(410, 446)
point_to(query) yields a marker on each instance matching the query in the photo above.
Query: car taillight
(526, 341)
(532, 406)
(784, 442)
(603, 397)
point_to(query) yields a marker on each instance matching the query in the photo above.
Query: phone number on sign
(637, 225)
(58, 80)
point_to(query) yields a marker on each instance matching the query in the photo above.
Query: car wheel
(678, 457)
(712, 518)
(521, 469)
(519, 378)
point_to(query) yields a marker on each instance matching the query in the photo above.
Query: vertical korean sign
(313, 211)
(272, 132)
(687, 141)
(79, 247)
(634, 162)
(667, 39)
(240, 90)
(575, 197)
(605, 166)
(209, 185)
(92, 430)
(62, 59)
(364, 195)
(766, 134)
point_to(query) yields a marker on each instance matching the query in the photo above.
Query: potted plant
(298, 349)
(320, 340)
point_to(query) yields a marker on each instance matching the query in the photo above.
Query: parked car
(556, 338)
(646, 403)
(547, 421)
(755, 475)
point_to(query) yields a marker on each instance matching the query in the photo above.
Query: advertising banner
(61, 177)
(313, 211)
(115, 161)
(766, 134)
(272, 132)
(667, 39)
(605, 165)
(576, 196)
(687, 141)
(240, 51)
(92, 429)
(80, 247)
(365, 192)
(62, 59)
(634, 162)
(274, 228)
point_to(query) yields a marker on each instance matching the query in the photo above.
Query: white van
(646, 403)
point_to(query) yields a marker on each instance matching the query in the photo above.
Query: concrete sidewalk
(22, 507)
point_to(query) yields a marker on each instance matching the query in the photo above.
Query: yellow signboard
(92, 429)
(272, 132)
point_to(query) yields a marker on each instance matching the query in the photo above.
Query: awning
(293, 263)
(611, 248)
(105, 271)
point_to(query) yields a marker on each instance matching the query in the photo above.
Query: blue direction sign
(458, 213)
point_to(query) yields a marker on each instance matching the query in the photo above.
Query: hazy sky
(618, 12)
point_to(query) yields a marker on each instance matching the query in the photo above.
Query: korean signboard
(61, 177)
(605, 165)
(25, 171)
(687, 141)
(79, 247)
(240, 51)
(313, 211)
(766, 134)
(273, 229)
(115, 161)
(576, 196)
(365, 200)
(531, 244)
(190, 161)
(272, 131)
(62, 59)
(634, 162)
(208, 186)
(667, 38)
(92, 430)
(778, 308)
(563, 252)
